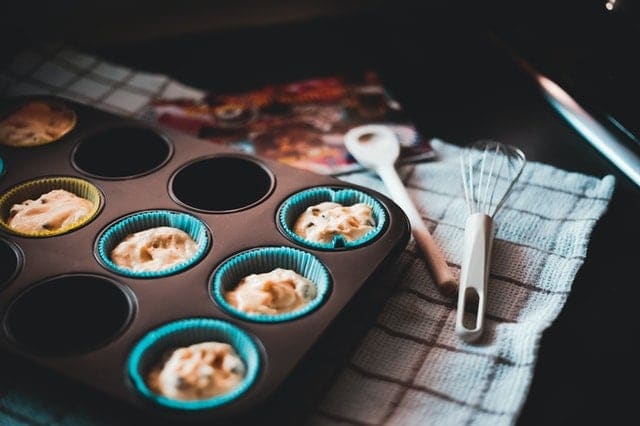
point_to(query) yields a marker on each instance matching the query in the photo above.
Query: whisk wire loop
(466, 183)
(488, 200)
(489, 171)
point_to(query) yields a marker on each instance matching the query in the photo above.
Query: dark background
(451, 66)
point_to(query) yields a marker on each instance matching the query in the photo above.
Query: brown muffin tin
(61, 308)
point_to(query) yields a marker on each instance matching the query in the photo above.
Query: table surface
(459, 85)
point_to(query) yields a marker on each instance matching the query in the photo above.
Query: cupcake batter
(199, 371)
(154, 249)
(322, 222)
(36, 123)
(52, 211)
(275, 292)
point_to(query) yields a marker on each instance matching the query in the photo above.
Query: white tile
(150, 82)
(423, 409)
(53, 75)
(179, 91)
(447, 372)
(127, 101)
(77, 59)
(111, 72)
(389, 356)
(89, 88)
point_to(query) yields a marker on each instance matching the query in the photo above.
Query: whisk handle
(474, 273)
(440, 270)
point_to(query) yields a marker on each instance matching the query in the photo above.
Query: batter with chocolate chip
(57, 209)
(275, 292)
(200, 371)
(322, 222)
(154, 249)
(36, 123)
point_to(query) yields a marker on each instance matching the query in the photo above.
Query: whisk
(489, 171)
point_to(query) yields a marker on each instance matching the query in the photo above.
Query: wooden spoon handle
(438, 266)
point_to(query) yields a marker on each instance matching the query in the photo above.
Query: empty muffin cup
(142, 252)
(265, 260)
(10, 261)
(69, 314)
(36, 122)
(151, 349)
(121, 152)
(49, 215)
(294, 206)
(221, 184)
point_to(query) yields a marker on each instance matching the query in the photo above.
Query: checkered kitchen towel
(58, 70)
(410, 368)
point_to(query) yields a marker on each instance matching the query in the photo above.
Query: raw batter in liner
(154, 249)
(199, 371)
(322, 222)
(272, 293)
(52, 211)
(36, 123)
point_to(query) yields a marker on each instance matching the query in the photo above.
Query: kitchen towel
(409, 367)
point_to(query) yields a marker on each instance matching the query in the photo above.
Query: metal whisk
(489, 171)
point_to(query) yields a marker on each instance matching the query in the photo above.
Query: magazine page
(300, 123)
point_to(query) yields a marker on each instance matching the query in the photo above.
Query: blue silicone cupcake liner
(187, 332)
(266, 259)
(296, 204)
(137, 222)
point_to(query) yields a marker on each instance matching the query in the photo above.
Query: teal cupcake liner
(137, 222)
(187, 332)
(1, 167)
(266, 259)
(296, 204)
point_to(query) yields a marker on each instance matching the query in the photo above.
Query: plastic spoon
(377, 148)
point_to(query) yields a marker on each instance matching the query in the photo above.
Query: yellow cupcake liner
(55, 104)
(36, 187)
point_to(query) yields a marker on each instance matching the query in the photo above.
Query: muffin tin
(63, 306)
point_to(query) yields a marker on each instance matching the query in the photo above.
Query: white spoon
(376, 147)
